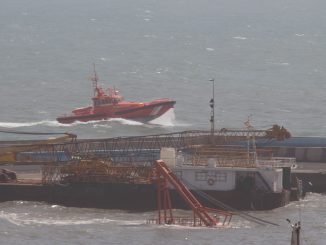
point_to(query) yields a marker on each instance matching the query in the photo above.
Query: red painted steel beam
(199, 210)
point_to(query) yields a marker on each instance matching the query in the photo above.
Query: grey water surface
(268, 59)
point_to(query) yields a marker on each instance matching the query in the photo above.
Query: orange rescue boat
(110, 104)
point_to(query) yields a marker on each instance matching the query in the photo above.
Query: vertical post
(212, 119)
(295, 238)
(158, 176)
(295, 235)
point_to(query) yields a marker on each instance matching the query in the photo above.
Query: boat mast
(95, 80)
(212, 119)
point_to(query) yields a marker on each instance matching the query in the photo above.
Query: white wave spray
(48, 123)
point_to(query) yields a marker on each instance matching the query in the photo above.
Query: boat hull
(142, 112)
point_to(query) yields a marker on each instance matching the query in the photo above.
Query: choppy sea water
(267, 57)
(37, 223)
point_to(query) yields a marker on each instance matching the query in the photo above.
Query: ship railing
(251, 162)
(277, 162)
(187, 221)
(101, 178)
(221, 162)
(183, 221)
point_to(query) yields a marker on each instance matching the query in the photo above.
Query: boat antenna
(95, 80)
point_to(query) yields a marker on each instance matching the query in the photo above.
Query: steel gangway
(202, 215)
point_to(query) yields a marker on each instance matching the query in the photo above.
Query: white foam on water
(10, 217)
(180, 227)
(23, 219)
(102, 126)
(47, 221)
(168, 120)
(150, 36)
(283, 110)
(186, 227)
(240, 224)
(281, 63)
(240, 38)
(105, 123)
(133, 223)
(42, 112)
(125, 121)
(27, 219)
(32, 124)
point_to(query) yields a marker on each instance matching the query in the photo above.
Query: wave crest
(31, 124)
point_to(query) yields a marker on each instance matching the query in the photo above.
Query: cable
(229, 208)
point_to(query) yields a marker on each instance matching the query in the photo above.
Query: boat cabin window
(221, 176)
(216, 176)
(201, 176)
(116, 100)
(98, 102)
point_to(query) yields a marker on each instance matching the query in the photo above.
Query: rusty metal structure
(129, 149)
(227, 156)
(95, 171)
(202, 216)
